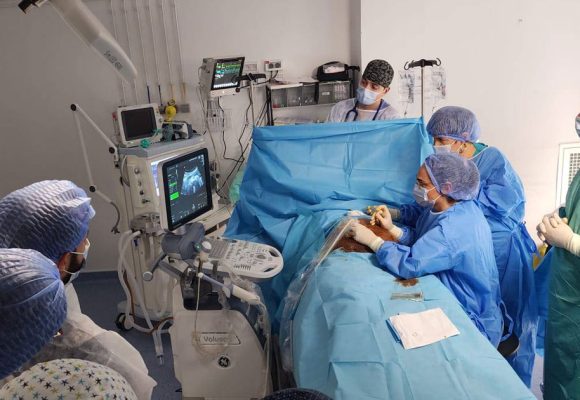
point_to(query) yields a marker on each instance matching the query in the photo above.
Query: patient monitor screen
(227, 72)
(187, 188)
(139, 123)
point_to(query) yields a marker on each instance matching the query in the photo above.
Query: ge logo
(224, 362)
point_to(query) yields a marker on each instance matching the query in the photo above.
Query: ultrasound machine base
(235, 368)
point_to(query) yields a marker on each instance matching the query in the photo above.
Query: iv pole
(112, 149)
(422, 63)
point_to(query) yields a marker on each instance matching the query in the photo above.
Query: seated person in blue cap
(369, 104)
(446, 235)
(52, 217)
(32, 307)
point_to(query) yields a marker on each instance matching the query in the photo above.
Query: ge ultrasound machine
(220, 331)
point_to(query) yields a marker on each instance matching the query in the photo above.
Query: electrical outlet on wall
(272, 65)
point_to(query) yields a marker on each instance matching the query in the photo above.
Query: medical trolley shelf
(305, 94)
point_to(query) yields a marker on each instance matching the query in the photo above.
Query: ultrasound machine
(220, 331)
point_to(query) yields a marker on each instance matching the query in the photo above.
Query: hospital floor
(99, 294)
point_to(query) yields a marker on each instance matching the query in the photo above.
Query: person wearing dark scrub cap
(369, 104)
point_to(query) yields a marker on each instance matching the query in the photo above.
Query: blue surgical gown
(501, 198)
(456, 246)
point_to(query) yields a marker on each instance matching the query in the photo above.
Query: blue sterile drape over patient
(343, 347)
(326, 170)
(299, 180)
(295, 169)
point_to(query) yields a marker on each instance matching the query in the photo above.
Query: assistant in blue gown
(454, 244)
(502, 199)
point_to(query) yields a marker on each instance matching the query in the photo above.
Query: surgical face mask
(85, 253)
(73, 275)
(366, 96)
(420, 194)
(446, 148)
(77, 270)
(443, 148)
(77, 267)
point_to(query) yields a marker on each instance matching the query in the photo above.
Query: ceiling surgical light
(78, 16)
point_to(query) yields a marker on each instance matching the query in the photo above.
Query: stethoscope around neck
(355, 111)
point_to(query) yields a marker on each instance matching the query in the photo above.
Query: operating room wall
(512, 62)
(44, 68)
(303, 34)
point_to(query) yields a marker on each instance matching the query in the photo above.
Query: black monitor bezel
(169, 163)
(219, 60)
(124, 122)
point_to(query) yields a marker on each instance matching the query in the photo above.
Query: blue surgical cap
(51, 217)
(453, 175)
(32, 306)
(454, 122)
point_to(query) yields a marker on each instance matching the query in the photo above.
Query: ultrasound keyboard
(255, 261)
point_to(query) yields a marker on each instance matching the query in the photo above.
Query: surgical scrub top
(562, 362)
(340, 112)
(456, 246)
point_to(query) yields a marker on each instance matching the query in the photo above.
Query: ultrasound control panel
(255, 261)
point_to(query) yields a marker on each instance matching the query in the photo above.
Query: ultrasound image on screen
(192, 182)
(187, 188)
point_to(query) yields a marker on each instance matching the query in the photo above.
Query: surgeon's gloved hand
(555, 219)
(383, 210)
(557, 233)
(387, 223)
(541, 227)
(365, 236)
(562, 230)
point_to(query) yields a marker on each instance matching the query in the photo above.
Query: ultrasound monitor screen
(187, 188)
(139, 123)
(227, 72)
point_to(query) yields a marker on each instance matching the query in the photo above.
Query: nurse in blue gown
(446, 235)
(502, 199)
